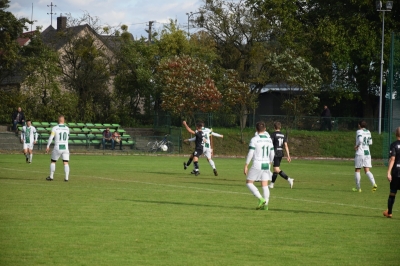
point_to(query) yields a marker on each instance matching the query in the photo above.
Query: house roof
(58, 38)
(25, 38)
(279, 87)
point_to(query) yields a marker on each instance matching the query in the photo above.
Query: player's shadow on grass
(216, 184)
(162, 173)
(191, 177)
(185, 203)
(271, 210)
(327, 213)
(16, 178)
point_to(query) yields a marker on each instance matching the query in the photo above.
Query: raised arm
(217, 135)
(188, 128)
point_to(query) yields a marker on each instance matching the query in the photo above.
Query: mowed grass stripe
(133, 210)
(199, 190)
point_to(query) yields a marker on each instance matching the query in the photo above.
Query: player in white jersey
(207, 149)
(60, 133)
(261, 152)
(29, 137)
(363, 156)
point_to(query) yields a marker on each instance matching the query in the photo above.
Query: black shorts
(395, 183)
(277, 161)
(198, 153)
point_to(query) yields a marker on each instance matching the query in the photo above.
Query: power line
(51, 13)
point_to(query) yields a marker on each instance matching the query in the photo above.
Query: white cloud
(134, 13)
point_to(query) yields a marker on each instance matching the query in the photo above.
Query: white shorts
(207, 152)
(361, 161)
(28, 146)
(259, 175)
(55, 155)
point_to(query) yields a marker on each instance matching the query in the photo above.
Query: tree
(187, 86)
(86, 60)
(44, 99)
(345, 44)
(10, 29)
(246, 31)
(173, 42)
(134, 82)
(237, 98)
(301, 81)
(86, 71)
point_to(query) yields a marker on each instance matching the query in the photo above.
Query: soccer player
(261, 151)
(199, 145)
(207, 149)
(29, 137)
(363, 156)
(279, 140)
(60, 133)
(393, 173)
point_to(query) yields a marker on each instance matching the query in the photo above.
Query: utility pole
(150, 26)
(51, 12)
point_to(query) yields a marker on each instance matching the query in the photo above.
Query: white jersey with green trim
(207, 132)
(261, 151)
(363, 141)
(29, 134)
(60, 133)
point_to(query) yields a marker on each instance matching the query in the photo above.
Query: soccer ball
(164, 147)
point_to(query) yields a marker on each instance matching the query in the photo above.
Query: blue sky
(134, 13)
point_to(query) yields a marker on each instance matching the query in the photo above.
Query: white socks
(66, 170)
(52, 169)
(357, 178)
(254, 190)
(211, 162)
(30, 157)
(266, 194)
(371, 177)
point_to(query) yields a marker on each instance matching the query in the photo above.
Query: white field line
(189, 187)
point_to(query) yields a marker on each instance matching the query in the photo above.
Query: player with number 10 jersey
(60, 133)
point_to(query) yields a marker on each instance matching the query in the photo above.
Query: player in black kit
(393, 174)
(199, 146)
(279, 141)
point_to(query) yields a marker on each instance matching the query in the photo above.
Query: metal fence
(392, 97)
(310, 123)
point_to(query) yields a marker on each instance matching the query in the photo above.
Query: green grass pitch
(147, 210)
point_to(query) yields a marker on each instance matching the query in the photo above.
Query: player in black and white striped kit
(279, 140)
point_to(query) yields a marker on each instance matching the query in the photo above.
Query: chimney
(61, 22)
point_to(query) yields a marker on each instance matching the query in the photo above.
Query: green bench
(88, 134)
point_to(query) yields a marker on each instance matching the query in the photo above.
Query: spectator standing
(18, 117)
(326, 121)
(107, 137)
